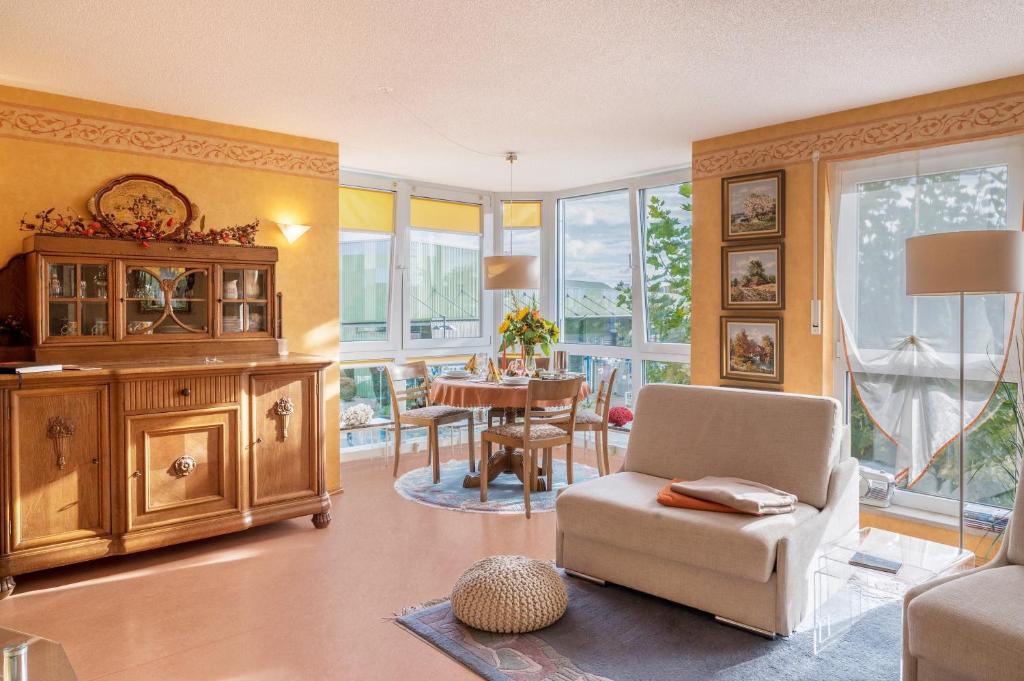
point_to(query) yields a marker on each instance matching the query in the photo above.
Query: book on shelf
(28, 367)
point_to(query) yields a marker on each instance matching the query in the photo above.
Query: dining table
(478, 393)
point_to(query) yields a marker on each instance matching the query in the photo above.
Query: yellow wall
(39, 170)
(984, 110)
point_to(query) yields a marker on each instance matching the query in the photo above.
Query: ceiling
(585, 91)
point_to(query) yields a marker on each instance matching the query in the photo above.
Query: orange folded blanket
(667, 497)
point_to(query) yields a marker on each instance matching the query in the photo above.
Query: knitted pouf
(509, 595)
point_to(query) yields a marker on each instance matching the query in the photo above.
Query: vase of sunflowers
(525, 327)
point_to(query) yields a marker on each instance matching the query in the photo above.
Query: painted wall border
(62, 127)
(1001, 115)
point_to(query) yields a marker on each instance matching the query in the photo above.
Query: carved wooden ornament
(60, 430)
(284, 408)
(183, 466)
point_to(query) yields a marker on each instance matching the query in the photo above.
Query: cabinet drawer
(180, 392)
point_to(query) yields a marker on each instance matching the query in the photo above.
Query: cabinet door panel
(283, 461)
(185, 466)
(59, 465)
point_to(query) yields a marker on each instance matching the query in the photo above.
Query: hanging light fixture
(505, 272)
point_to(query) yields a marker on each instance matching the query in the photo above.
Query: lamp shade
(986, 261)
(503, 272)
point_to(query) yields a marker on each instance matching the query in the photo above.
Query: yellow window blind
(520, 214)
(447, 216)
(366, 210)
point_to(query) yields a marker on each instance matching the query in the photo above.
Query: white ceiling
(585, 91)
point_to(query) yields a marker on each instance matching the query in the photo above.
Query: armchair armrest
(797, 550)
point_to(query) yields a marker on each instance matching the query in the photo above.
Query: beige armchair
(970, 626)
(747, 570)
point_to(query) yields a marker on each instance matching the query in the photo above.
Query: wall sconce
(292, 232)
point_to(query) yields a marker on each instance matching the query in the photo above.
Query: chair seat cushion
(972, 626)
(587, 416)
(623, 510)
(537, 431)
(436, 411)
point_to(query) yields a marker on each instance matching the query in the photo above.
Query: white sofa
(748, 570)
(970, 626)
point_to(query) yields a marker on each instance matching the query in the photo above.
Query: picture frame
(751, 349)
(754, 276)
(754, 206)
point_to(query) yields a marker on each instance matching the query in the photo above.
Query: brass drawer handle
(185, 392)
(136, 474)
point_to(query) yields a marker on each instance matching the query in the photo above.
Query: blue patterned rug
(504, 494)
(616, 634)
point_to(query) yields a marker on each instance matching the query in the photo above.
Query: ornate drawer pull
(284, 408)
(183, 466)
(60, 430)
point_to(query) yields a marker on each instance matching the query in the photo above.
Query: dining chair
(596, 422)
(549, 420)
(498, 413)
(410, 385)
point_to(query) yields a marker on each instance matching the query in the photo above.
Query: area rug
(616, 634)
(504, 493)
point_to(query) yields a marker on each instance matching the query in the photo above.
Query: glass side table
(31, 658)
(844, 593)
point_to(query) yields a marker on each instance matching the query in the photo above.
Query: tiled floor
(279, 602)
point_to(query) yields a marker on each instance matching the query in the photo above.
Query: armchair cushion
(971, 626)
(623, 510)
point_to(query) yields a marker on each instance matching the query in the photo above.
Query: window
(365, 285)
(367, 221)
(520, 235)
(666, 372)
(903, 350)
(597, 369)
(444, 270)
(596, 276)
(667, 237)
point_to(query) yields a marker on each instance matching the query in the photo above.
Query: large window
(903, 350)
(444, 286)
(367, 222)
(597, 277)
(624, 282)
(667, 237)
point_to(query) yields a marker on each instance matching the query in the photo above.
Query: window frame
(845, 176)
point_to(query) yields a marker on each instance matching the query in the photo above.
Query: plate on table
(515, 380)
(456, 373)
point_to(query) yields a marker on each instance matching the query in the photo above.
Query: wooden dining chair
(596, 422)
(549, 420)
(497, 414)
(410, 385)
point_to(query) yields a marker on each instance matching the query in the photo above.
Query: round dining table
(470, 393)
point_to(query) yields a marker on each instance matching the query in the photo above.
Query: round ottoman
(509, 595)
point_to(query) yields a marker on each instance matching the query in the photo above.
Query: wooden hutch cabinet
(177, 416)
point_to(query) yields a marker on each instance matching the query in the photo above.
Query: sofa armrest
(797, 550)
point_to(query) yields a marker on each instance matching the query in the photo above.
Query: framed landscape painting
(753, 277)
(753, 206)
(752, 349)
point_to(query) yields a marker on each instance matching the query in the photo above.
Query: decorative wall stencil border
(986, 118)
(27, 122)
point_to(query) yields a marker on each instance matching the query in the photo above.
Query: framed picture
(753, 277)
(753, 206)
(751, 349)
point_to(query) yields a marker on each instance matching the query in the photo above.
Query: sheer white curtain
(902, 351)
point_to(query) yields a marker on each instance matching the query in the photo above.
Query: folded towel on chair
(743, 495)
(668, 497)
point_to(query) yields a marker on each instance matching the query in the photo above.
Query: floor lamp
(965, 263)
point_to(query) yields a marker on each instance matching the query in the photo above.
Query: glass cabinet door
(77, 300)
(245, 301)
(166, 300)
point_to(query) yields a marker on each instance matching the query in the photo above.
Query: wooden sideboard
(181, 419)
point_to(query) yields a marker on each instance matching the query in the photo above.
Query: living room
(579, 340)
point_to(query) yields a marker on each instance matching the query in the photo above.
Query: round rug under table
(504, 493)
(509, 595)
